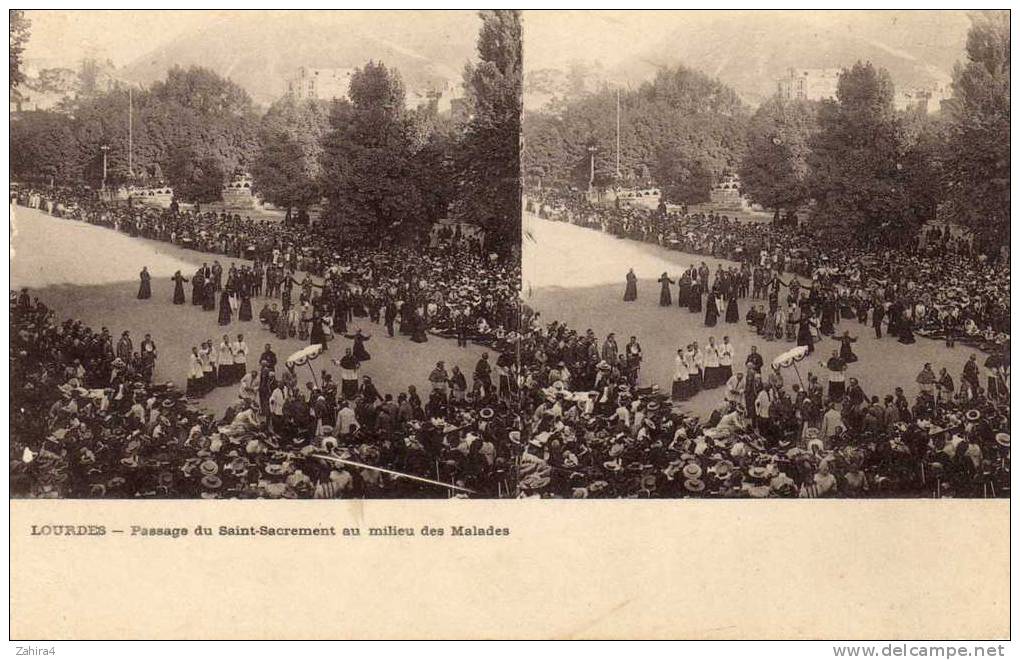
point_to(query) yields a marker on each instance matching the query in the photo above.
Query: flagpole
(618, 133)
(131, 134)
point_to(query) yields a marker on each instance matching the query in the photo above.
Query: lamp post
(591, 177)
(104, 149)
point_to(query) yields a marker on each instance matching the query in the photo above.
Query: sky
(64, 38)
(553, 38)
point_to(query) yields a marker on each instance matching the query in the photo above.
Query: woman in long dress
(804, 335)
(683, 290)
(732, 311)
(179, 281)
(828, 316)
(711, 310)
(209, 295)
(282, 324)
(630, 294)
(694, 304)
(665, 296)
(418, 328)
(197, 288)
(317, 335)
(145, 286)
(359, 345)
(225, 313)
(244, 313)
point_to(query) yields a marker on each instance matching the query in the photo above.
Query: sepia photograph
(766, 253)
(251, 260)
(510, 324)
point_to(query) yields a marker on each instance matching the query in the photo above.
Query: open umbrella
(790, 358)
(305, 357)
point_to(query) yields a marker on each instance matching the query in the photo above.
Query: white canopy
(787, 359)
(305, 355)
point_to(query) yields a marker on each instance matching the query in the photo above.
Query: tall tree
(855, 167)
(287, 168)
(488, 155)
(20, 28)
(682, 112)
(366, 161)
(683, 180)
(977, 167)
(773, 171)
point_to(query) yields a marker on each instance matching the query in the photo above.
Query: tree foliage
(367, 156)
(287, 168)
(20, 28)
(682, 116)
(194, 113)
(856, 174)
(977, 163)
(773, 171)
(488, 153)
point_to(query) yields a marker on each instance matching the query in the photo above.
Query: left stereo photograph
(251, 259)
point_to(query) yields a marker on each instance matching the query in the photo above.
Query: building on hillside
(321, 84)
(438, 94)
(923, 100)
(808, 84)
(459, 110)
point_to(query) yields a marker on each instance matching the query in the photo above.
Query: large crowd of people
(591, 431)
(86, 421)
(456, 435)
(556, 412)
(937, 286)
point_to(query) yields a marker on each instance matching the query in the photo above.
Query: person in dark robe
(349, 375)
(244, 311)
(145, 286)
(630, 294)
(711, 310)
(846, 353)
(683, 290)
(404, 325)
(828, 317)
(282, 325)
(389, 316)
(895, 313)
(359, 345)
(225, 313)
(732, 311)
(877, 315)
(665, 296)
(209, 296)
(317, 334)
(837, 384)
(179, 281)
(197, 288)
(804, 337)
(418, 328)
(906, 328)
(694, 304)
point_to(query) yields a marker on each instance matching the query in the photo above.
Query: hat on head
(692, 471)
(694, 485)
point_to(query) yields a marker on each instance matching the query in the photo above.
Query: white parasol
(791, 356)
(305, 356)
(790, 359)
